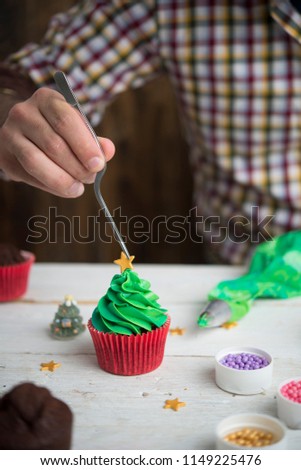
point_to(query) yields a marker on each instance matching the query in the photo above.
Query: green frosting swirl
(129, 307)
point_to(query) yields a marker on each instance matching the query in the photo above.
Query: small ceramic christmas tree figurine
(67, 322)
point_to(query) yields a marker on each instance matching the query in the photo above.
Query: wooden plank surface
(113, 412)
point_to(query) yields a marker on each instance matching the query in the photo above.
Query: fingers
(38, 132)
(30, 166)
(67, 123)
(15, 172)
(47, 144)
(108, 147)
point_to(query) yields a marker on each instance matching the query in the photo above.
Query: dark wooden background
(149, 176)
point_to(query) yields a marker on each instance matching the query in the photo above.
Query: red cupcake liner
(130, 355)
(14, 278)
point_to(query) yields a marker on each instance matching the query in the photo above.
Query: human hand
(45, 143)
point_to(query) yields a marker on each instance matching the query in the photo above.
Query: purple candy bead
(244, 361)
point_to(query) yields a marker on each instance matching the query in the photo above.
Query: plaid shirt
(235, 67)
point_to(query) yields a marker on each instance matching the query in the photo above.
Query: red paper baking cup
(130, 355)
(14, 278)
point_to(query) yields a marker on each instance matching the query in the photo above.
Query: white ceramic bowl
(262, 422)
(243, 382)
(288, 411)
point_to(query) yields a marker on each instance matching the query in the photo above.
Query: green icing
(274, 273)
(129, 307)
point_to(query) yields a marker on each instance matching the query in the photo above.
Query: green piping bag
(274, 272)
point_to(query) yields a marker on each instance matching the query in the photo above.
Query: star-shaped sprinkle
(174, 404)
(124, 262)
(229, 324)
(50, 366)
(177, 331)
(69, 300)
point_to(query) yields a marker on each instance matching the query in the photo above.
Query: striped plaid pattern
(236, 70)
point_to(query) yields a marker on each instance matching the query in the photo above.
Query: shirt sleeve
(103, 47)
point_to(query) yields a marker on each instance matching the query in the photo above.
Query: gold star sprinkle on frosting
(50, 366)
(124, 262)
(174, 404)
(177, 331)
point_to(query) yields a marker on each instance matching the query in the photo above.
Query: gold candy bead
(248, 437)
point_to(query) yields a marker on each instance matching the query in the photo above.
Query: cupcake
(31, 418)
(129, 327)
(14, 271)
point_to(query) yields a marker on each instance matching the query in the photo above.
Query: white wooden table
(114, 412)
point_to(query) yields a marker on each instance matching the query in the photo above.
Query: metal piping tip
(215, 314)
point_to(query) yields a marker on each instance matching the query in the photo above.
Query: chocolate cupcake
(10, 255)
(31, 418)
(14, 271)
